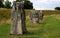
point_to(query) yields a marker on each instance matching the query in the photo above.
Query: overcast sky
(45, 4)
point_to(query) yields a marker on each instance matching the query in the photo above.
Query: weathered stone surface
(41, 15)
(34, 17)
(14, 20)
(18, 19)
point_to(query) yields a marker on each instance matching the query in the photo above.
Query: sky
(44, 4)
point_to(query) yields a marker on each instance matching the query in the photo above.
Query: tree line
(57, 8)
(27, 4)
(7, 4)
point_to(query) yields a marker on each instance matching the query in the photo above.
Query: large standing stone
(34, 17)
(18, 19)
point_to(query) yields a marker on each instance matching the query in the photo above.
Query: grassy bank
(48, 28)
(6, 13)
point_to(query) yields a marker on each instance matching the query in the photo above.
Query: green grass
(48, 28)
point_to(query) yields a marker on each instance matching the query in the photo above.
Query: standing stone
(18, 19)
(34, 17)
(41, 15)
(13, 20)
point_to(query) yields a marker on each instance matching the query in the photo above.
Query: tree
(28, 5)
(7, 4)
(18, 0)
(1, 3)
(57, 8)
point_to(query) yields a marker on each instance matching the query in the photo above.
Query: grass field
(48, 28)
(5, 14)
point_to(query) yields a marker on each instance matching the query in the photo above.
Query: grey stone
(41, 15)
(34, 17)
(18, 25)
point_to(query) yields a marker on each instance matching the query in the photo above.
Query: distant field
(6, 13)
(48, 28)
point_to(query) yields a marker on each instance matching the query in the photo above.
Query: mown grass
(48, 28)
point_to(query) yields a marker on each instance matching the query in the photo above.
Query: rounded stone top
(18, 4)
